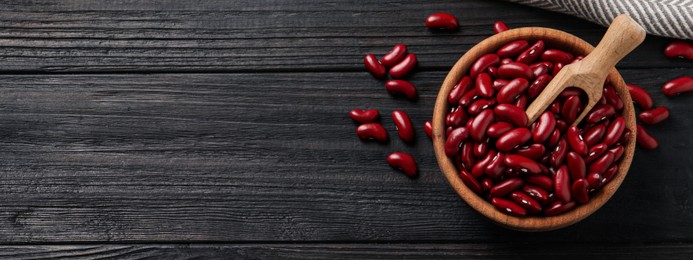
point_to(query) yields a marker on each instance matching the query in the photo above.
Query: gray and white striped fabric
(669, 18)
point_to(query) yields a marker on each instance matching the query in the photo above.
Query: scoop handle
(622, 37)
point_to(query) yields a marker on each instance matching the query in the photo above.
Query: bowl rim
(551, 37)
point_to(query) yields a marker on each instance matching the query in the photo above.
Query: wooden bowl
(553, 39)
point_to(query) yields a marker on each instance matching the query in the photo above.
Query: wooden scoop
(589, 74)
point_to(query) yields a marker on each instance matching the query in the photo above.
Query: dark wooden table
(219, 129)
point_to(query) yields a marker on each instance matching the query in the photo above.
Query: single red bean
(499, 83)
(522, 164)
(600, 112)
(513, 138)
(481, 148)
(640, 97)
(576, 166)
(546, 125)
(562, 184)
(467, 155)
(557, 68)
(512, 90)
(404, 67)
(594, 180)
(654, 116)
(396, 55)
(401, 87)
(531, 54)
(522, 102)
(625, 138)
(373, 131)
(540, 68)
(498, 129)
(595, 135)
(617, 151)
(496, 167)
(600, 165)
(515, 70)
(679, 49)
(614, 131)
(468, 98)
(575, 141)
(555, 107)
(596, 152)
(480, 124)
(612, 98)
(554, 138)
(645, 140)
(471, 182)
(512, 114)
(487, 183)
(448, 130)
(678, 86)
(468, 125)
(533, 151)
(507, 186)
(405, 129)
(499, 27)
(456, 118)
(442, 21)
(484, 85)
(558, 208)
(539, 194)
(508, 207)
(512, 49)
(557, 56)
(403, 162)
(571, 109)
(541, 181)
(538, 85)
(454, 140)
(428, 128)
(480, 167)
(561, 125)
(526, 201)
(559, 154)
(482, 63)
(459, 90)
(609, 174)
(364, 116)
(568, 92)
(374, 66)
(506, 61)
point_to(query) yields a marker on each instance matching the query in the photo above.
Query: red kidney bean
(576, 166)
(561, 125)
(513, 138)
(480, 167)
(575, 141)
(645, 140)
(448, 130)
(499, 27)
(614, 131)
(403, 162)
(467, 155)
(554, 138)
(374, 66)
(401, 87)
(512, 49)
(594, 180)
(562, 184)
(531, 54)
(537, 193)
(428, 128)
(617, 151)
(364, 116)
(600, 165)
(396, 55)
(481, 148)
(496, 167)
(482, 63)
(455, 139)
(557, 68)
(546, 125)
(506, 61)
(373, 131)
(459, 90)
(512, 90)
(468, 98)
(654, 116)
(555, 107)
(498, 129)
(468, 125)
(558, 208)
(404, 67)
(499, 83)
(508, 207)
(512, 114)
(538, 85)
(557, 56)
(470, 181)
(571, 109)
(540, 68)
(541, 181)
(596, 152)
(480, 124)
(484, 85)
(640, 97)
(533, 151)
(678, 86)
(568, 92)
(522, 164)
(487, 184)
(526, 201)
(507, 186)
(612, 98)
(521, 102)
(442, 21)
(559, 154)
(594, 135)
(515, 70)
(456, 118)
(627, 135)
(405, 129)
(679, 49)
(600, 112)
(609, 174)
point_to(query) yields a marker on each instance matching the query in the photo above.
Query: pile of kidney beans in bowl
(546, 168)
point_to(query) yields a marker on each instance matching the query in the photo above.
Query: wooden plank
(240, 36)
(272, 157)
(350, 251)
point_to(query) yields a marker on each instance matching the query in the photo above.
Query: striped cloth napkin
(668, 18)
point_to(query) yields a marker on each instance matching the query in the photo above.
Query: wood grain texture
(247, 35)
(272, 157)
